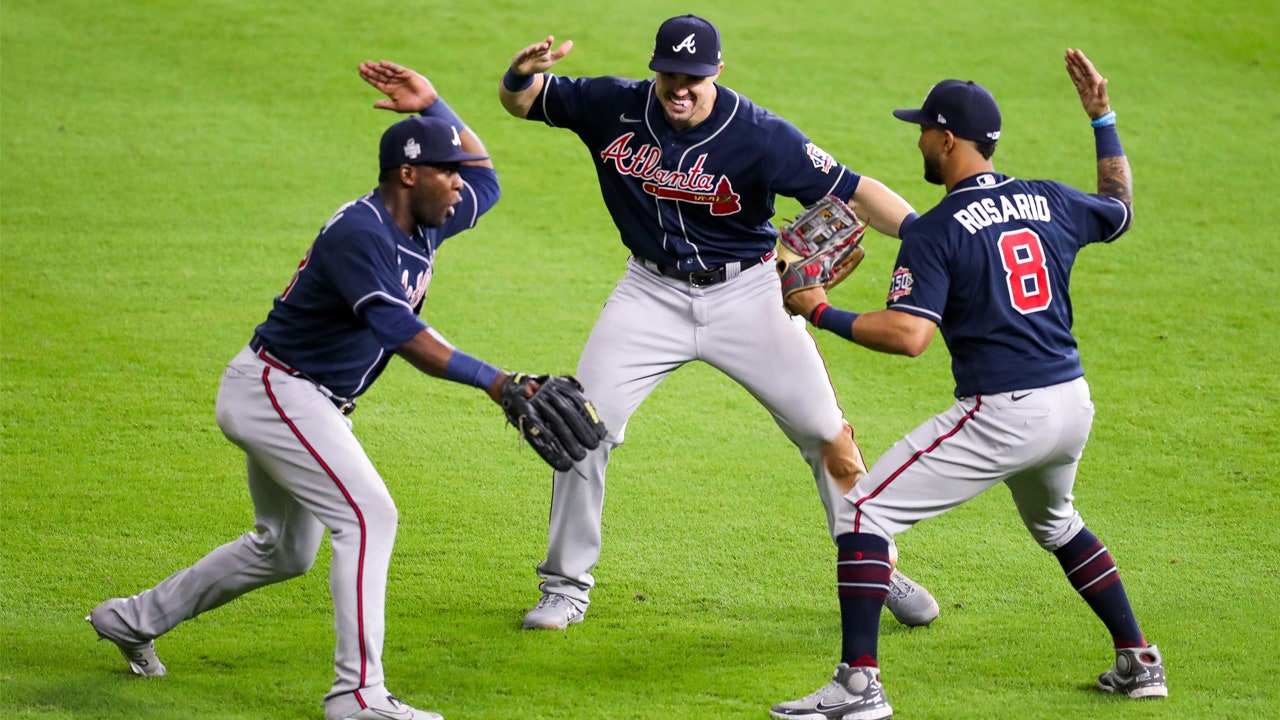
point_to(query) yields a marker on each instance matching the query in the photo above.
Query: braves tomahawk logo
(692, 185)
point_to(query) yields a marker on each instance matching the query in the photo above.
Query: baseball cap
(422, 141)
(963, 107)
(687, 44)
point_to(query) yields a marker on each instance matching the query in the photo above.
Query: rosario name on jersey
(990, 264)
(692, 198)
(356, 294)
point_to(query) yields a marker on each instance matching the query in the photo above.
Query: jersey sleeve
(480, 192)
(920, 280)
(362, 268)
(1096, 218)
(568, 102)
(804, 171)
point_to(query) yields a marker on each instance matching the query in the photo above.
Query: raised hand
(406, 90)
(539, 57)
(1091, 86)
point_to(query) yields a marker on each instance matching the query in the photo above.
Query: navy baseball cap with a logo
(422, 141)
(963, 107)
(687, 44)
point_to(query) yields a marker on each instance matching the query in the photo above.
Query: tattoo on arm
(1114, 178)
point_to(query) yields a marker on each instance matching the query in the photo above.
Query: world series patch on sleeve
(820, 247)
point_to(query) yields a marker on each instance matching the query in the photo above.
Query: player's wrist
(440, 109)
(468, 370)
(515, 81)
(1105, 119)
(833, 319)
(1106, 141)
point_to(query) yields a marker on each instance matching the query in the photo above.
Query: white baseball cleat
(141, 656)
(854, 693)
(553, 612)
(909, 602)
(385, 707)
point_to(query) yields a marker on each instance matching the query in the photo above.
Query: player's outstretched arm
(523, 81)
(408, 91)
(882, 208)
(432, 354)
(1115, 178)
(887, 331)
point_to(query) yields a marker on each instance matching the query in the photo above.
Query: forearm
(517, 93)
(470, 141)
(890, 331)
(433, 355)
(886, 331)
(1115, 179)
(881, 208)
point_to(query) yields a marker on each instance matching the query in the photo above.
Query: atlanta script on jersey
(695, 198)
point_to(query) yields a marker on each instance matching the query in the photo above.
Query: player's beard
(932, 170)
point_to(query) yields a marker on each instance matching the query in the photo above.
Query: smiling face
(686, 99)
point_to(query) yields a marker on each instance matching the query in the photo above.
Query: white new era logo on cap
(412, 149)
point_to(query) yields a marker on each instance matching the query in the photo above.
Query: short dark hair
(987, 149)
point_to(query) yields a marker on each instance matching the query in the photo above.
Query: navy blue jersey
(355, 297)
(991, 264)
(692, 198)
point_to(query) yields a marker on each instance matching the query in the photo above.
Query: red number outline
(1023, 258)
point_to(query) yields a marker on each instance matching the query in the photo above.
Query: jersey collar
(981, 180)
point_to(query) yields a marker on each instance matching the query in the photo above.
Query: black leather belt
(346, 406)
(710, 276)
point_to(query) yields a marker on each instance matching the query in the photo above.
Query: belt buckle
(346, 407)
(703, 278)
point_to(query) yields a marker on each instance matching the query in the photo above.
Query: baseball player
(990, 266)
(689, 170)
(284, 399)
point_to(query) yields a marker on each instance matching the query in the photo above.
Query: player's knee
(287, 555)
(294, 562)
(1053, 534)
(843, 460)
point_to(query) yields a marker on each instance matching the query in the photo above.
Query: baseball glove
(821, 247)
(557, 420)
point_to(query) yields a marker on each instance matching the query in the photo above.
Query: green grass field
(164, 165)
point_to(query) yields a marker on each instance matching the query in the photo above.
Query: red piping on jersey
(857, 518)
(266, 383)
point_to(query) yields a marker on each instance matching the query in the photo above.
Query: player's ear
(408, 175)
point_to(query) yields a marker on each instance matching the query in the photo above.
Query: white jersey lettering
(984, 213)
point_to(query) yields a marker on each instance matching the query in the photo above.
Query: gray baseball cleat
(854, 693)
(909, 602)
(553, 612)
(1139, 673)
(387, 707)
(141, 655)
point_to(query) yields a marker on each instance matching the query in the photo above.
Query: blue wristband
(515, 82)
(462, 368)
(1108, 118)
(1107, 141)
(440, 109)
(834, 320)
